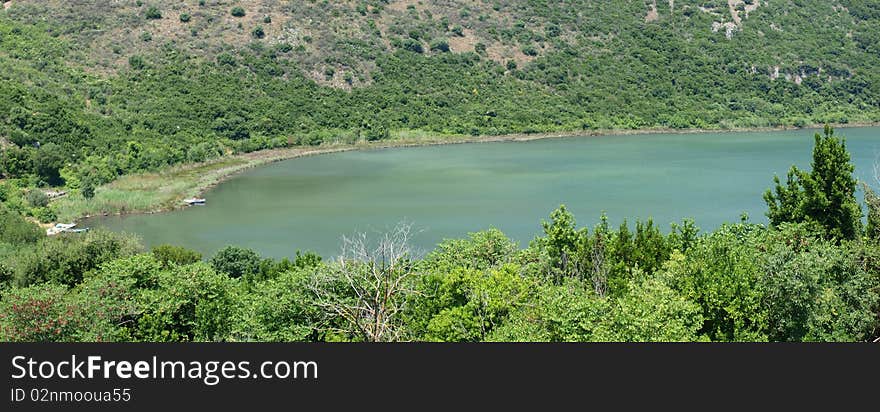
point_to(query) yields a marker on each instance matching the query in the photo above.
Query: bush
(45, 215)
(413, 45)
(15, 230)
(184, 17)
(258, 32)
(87, 189)
(236, 261)
(37, 314)
(189, 303)
(153, 13)
(137, 62)
(64, 259)
(168, 254)
(237, 12)
(36, 198)
(441, 45)
(280, 310)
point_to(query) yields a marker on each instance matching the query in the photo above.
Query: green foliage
(825, 196)
(65, 259)
(719, 273)
(185, 17)
(873, 202)
(465, 305)
(36, 198)
(571, 312)
(153, 13)
(280, 310)
(37, 314)
(189, 303)
(237, 12)
(258, 32)
(236, 262)
(480, 251)
(440, 45)
(170, 254)
(16, 230)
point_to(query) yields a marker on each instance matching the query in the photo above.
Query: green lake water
(448, 191)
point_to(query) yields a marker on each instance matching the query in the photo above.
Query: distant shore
(165, 190)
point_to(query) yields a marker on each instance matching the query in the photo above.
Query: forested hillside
(93, 89)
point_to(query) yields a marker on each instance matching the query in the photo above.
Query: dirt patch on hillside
(401, 5)
(462, 44)
(7, 5)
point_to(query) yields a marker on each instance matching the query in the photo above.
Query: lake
(451, 190)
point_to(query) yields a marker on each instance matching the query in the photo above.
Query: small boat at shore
(64, 228)
(194, 201)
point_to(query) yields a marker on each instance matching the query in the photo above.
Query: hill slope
(95, 89)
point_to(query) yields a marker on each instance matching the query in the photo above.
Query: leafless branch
(367, 288)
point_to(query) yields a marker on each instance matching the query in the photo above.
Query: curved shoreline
(219, 170)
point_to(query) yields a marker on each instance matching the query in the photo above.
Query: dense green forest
(93, 90)
(813, 274)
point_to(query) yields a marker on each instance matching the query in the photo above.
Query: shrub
(153, 13)
(237, 12)
(441, 45)
(36, 198)
(184, 17)
(189, 303)
(45, 215)
(16, 230)
(87, 189)
(64, 259)
(236, 261)
(37, 314)
(175, 254)
(413, 45)
(258, 32)
(137, 62)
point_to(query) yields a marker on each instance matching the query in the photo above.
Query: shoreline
(221, 169)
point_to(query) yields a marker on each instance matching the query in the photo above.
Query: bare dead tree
(368, 287)
(600, 269)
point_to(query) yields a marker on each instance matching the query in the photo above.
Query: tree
(562, 243)
(236, 261)
(16, 230)
(825, 196)
(369, 287)
(169, 254)
(873, 201)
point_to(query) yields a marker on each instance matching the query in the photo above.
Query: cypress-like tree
(825, 196)
(873, 202)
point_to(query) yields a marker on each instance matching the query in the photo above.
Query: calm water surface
(448, 191)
